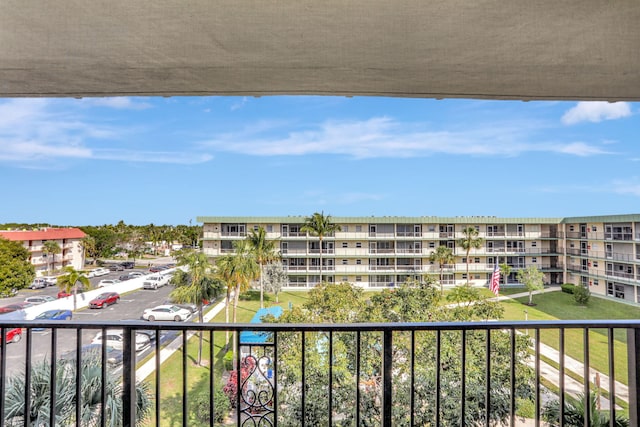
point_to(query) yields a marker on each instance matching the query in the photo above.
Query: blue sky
(168, 160)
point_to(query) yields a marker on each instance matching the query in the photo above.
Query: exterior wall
(600, 252)
(69, 241)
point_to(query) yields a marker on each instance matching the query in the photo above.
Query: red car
(13, 335)
(104, 299)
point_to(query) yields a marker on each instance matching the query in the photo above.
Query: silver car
(166, 312)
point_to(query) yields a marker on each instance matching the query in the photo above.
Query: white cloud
(630, 186)
(384, 137)
(239, 104)
(120, 103)
(596, 111)
(36, 132)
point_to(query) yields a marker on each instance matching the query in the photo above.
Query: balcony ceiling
(543, 49)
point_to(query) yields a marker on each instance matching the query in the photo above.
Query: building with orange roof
(68, 240)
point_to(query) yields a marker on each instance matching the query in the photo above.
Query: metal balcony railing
(409, 374)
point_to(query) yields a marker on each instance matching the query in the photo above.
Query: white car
(97, 272)
(166, 312)
(39, 299)
(107, 282)
(115, 338)
(38, 284)
(50, 280)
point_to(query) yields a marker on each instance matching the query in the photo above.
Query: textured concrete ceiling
(499, 49)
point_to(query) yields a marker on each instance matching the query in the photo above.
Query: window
(345, 262)
(358, 261)
(594, 228)
(269, 228)
(464, 260)
(534, 244)
(464, 276)
(595, 282)
(358, 228)
(571, 228)
(358, 245)
(476, 260)
(432, 244)
(476, 277)
(431, 227)
(345, 228)
(345, 278)
(358, 278)
(534, 259)
(345, 244)
(595, 264)
(255, 228)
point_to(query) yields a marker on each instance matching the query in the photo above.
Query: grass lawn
(560, 305)
(198, 376)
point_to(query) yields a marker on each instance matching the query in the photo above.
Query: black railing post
(129, 378)
(387, 386)
(633, 357)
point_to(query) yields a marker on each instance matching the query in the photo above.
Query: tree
(470, 240)
(264, 251)
(532, 278)
(66, 398)
(320, 226)
(443, 256)
(357, 365)
(68, 283)
(89, 247)
(275, 278)
(581, 295)
(505, 271)
(194, 285)
(50, 249)
(575, 411)
(236, 271)
(16, 272)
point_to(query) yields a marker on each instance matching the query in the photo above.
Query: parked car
(124, 277)
(104, 299)
(134, 274)
(40, 299)
(13, 335)
(53, 315)
(115, 338)
(116, 267)
(108, 282)
(166, 312)
(155, 282)
(128, 264)
(50, 280)
(114, 356)
(100, 271)
(38, 283)
(191, 307)
(63, 294)
(16, 306)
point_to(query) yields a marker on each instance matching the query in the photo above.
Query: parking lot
(129, 307)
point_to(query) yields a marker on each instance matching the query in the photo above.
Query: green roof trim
(602, 218)
(378, 220)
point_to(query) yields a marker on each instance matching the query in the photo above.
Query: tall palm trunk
(261, 288)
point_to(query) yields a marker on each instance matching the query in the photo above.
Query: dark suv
(128, 264)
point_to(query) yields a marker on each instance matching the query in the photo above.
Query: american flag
(494, 285)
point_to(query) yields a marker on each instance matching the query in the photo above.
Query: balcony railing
(411, 374)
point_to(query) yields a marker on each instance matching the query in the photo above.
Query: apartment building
(602, 252)
(68, 242)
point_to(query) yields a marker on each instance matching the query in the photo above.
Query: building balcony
(322, 374)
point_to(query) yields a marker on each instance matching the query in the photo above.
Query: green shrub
(568, 288)
(581, 295)
(525, 408)
(200, 414)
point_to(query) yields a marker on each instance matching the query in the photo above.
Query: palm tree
(89, 247)
(69, 282)
(470, 240)
(575, 410)
(194, 285)
(236, 271)
(442, 255)
(320, 226)
(52, 248)
(505, 270)
(264, 251)
(66, 398)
